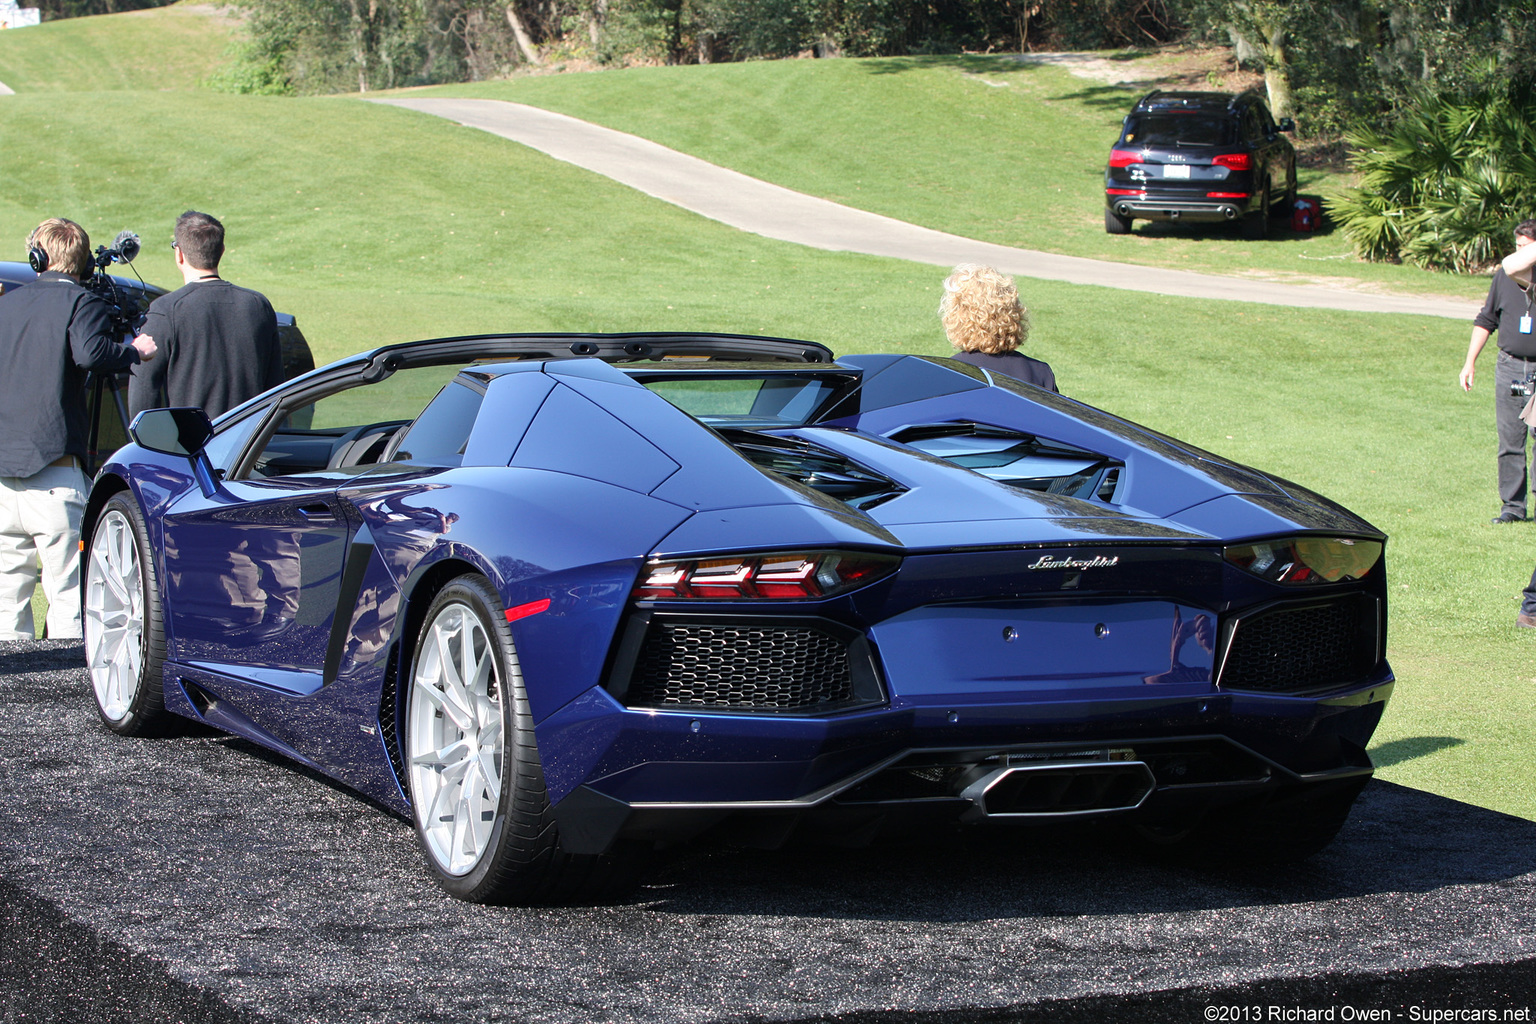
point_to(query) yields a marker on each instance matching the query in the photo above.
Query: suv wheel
(1288, 201)
(1256, 220)
(1116, 224)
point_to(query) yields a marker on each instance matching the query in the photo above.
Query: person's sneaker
(1506, 517)
(1525, 621)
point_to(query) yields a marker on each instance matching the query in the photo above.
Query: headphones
(37, 259)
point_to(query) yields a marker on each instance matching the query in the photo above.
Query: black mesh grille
(388, 714)
(1291, 650)
(773, 668)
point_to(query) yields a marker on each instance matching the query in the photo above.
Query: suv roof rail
(1148, 97)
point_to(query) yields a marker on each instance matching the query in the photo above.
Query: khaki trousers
(40, 523)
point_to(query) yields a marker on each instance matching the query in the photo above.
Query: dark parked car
(560, 597)
(108, 396)
(1200, 156)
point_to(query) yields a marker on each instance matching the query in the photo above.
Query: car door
(254, 570)
(253, 575)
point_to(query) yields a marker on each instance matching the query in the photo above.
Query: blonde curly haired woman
(985, 321)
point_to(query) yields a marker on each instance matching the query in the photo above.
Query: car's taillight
(779, 576)
(1125, 191)
(1124, 157)
(1300, 561)
(1234, 161)
(1226, 195)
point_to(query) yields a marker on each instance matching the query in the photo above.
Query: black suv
(1200, 156)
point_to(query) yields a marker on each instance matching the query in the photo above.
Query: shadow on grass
(1118, 98)
(1280, 232)
(1409, 748)
(957, 61)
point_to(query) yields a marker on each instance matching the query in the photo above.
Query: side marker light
(522, 611)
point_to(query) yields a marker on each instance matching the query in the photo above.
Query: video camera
(123, 308)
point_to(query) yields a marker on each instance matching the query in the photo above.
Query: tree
(1339, 63)
(53, 10)
(337, 45)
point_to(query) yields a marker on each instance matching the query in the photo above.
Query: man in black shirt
(1508, 311)
(219, 341)
(51, 333)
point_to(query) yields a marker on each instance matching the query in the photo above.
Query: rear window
(441, 431)
(1179, 129)
(746, 401)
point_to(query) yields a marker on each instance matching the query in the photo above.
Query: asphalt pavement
(753, 205)
(196, 879)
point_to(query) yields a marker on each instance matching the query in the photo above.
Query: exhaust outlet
(1059, 790)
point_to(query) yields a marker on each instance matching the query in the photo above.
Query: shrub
(1445, 185)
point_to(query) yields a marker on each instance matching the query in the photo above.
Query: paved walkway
(775, 212)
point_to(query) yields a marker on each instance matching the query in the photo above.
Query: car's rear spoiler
(612, 348)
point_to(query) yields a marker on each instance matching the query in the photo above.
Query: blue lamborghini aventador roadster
(558, 598)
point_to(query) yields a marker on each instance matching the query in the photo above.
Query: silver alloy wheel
(455, 739)
(114, 616)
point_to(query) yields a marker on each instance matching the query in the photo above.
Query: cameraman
(1508, 310)
(219, 340)
(51, 333)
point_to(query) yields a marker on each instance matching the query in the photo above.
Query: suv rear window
(1181, 129)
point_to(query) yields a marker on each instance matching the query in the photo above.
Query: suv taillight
(1123, 157)
(1234, 161)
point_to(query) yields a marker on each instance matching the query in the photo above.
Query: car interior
(344, 429)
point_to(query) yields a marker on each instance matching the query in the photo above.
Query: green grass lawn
(983, 147)
(162, 48)
(375, 225)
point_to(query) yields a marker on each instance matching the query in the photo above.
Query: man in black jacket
(218, 341)
(51, 333)
(1508, 311)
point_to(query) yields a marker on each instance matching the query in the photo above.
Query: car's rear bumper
(670, 775)
(1141, 207)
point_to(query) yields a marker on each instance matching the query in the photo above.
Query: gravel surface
(197, 879)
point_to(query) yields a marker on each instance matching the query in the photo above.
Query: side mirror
(1286, 125)
(172, 431)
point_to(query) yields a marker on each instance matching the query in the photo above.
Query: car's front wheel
(476, 785)
(122, 627)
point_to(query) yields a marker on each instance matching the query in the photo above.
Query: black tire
(515, 855)
(1255, 223)
(1282, 830)
(121, 622)
(1282, 211)
(1116, 224)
